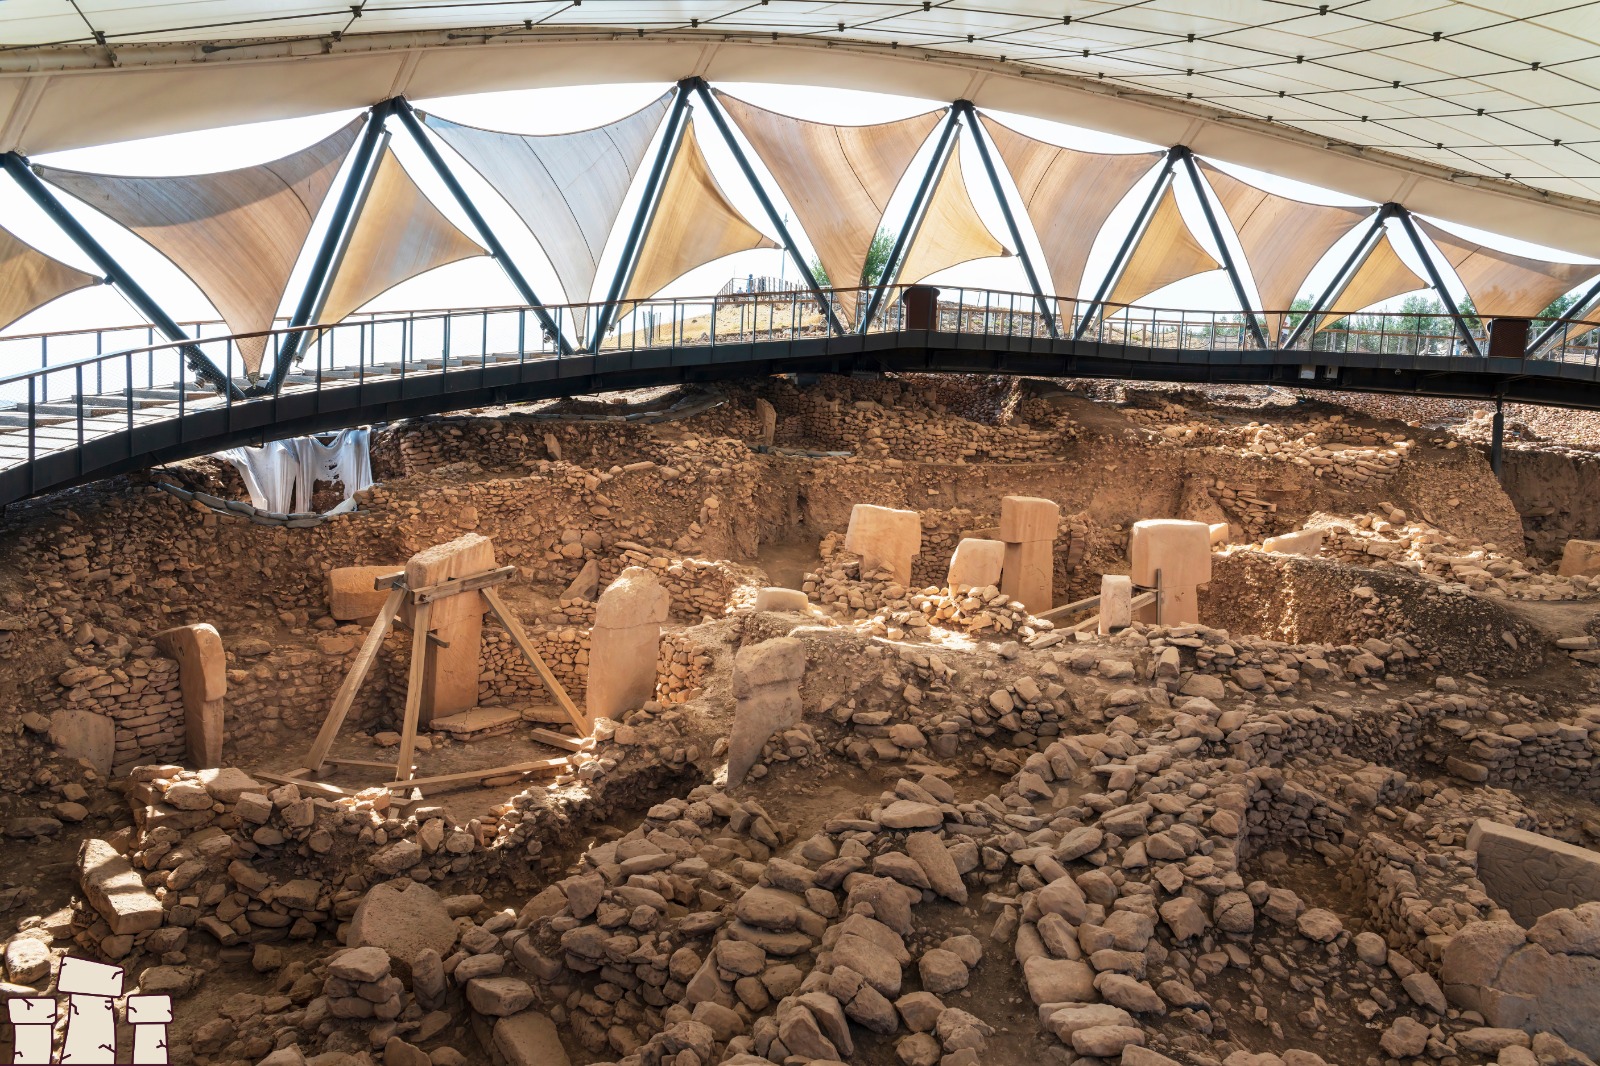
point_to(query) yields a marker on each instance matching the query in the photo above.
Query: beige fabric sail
(1069, 195)
(838, 179)
(1382, 275)
(29, 279)
(1506, 285)
(951, 231)
(1166, 252)
(1283, 239)
(236, 234)
(567, 188)
(693, 224)
(398, 235)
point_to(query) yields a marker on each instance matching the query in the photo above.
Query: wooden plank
(451, 682)
(371, 764)
(561, 740)
(389, 581)
(475, 583)
(1070, 608)
(352, 682)
(555, 766)
(320, 788)
(580, 721)
(414, 682)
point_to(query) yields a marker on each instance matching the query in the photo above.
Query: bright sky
(480, 282)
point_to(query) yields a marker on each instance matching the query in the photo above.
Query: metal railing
(61, 405)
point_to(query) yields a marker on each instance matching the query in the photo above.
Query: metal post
(777, 221)
(1136, 231)
(1497, 442)
(1572, 312)
(17, 166)
(1437, 280)
(1342, 278)
(913, 222)
(1228, 264)
(1009, 216)
(374, 138)
(670, 136)
(408, 119)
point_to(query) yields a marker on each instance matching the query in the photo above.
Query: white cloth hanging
(282, 473)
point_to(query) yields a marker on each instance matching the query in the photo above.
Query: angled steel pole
(782, 227)
(408, 119)
(1572, 313)
(1010, 218)
(1120, 263)
(1437, 280)
(671, 134)
(17, 166)
(913, 222)
(1228, 264)
(1342, 277)
(358, 181)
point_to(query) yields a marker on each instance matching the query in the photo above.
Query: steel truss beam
(17, 166)
(913, 220)
(1140, 223)
(1010, 217)
(767, 205)
(408, 119)
(1437, 281)
(1341, 278)
(1201, 191)
(671, 136)
(358, 182)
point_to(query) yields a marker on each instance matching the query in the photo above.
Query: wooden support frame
(389, 616)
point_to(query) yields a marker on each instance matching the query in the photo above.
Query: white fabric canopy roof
(951, 231)
(236, 234)
(1166, 252)
(30, 279)
(1504, 284)
(1381, 276)
(567, 187)
(838, 179)
(398, 235)
(693, 224)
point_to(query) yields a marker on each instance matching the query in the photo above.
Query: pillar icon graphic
(149, 1016)
(93, 988)
(34, 1021)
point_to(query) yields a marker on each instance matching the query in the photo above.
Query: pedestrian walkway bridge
(98, 403)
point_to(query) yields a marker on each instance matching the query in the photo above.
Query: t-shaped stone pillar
(33, 1021)
(91, 1011)
(625, 643)
(203, 679)
(975, 564)
(766, 692)
(885, 539)
(456, 623)
(1116, 603)
(1181, 552)
(149, 1016)
(1028, 527)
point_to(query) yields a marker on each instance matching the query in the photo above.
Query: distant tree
(871, 270)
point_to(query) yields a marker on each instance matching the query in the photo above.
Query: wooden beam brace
(352, 682)
(580, 721)
(456, 586)
(436, 783)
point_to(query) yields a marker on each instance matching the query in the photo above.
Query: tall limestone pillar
(1028, 526)
(625, 643)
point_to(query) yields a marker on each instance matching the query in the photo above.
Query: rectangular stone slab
(1300, 542)
(351, 596)
(1530, 874)
(451, 681)
(115, 890)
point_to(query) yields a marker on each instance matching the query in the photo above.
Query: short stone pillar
(766, 692)
(1219, 533)
(625, 643)
(149, 1016)
(33, 1021)
(975, 564)
(1116, 603)
(774, 598)
(886, 539)
(1580, 558)
(769, 421)
(351, 596)
(85, 735)
(451, 680)
(1028, 527)
(203, 680)
(1181, 552)
(91, 1011)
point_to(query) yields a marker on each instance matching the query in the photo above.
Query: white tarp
(30, 279)
(951, 231)
(280, 475)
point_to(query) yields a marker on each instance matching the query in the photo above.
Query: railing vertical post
(79, 376)
(913, 222)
